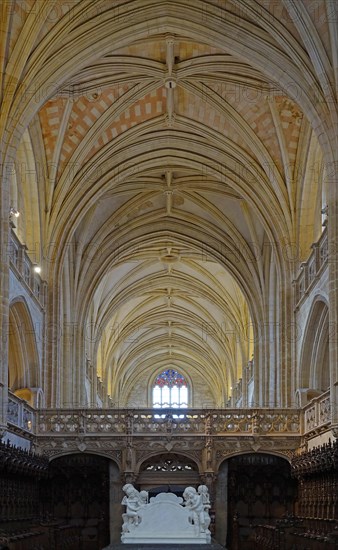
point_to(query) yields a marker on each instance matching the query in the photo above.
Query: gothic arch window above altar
(170, 390)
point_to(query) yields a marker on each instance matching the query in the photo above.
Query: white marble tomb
(166, 519)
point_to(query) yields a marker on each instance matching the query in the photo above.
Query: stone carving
(176, 522)
(62, 445)
(148, 422)
(198, 502)
(133, 500)
(204, 493)
(13, 412)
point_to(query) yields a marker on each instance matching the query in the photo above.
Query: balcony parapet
(317, 414)
(23, 268)
(312, 419)
(312, 268)
(20, 416)
(187, 422)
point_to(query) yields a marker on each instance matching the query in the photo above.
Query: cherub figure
(144, 497)
(193, 501)
(204, 493)
(133, 500)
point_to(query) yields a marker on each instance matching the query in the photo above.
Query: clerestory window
(170, 390)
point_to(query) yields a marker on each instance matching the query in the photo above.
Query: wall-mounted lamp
(14, 212)
(325, 212)
(37, 269)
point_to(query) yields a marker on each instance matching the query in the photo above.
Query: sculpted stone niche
(167, 518)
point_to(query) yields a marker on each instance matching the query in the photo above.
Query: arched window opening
(23, 358)
(314, 365)
(170, 390)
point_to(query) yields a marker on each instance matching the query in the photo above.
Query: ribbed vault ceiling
(167, 178)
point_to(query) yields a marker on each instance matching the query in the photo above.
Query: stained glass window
(170, 390)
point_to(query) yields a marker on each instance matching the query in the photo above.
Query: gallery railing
(317, 414)
(24, 269)
(20, 414)
(311, 269)
(181, 422)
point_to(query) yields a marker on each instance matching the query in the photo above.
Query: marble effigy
(166, 518)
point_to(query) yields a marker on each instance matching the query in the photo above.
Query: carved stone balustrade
(23, 267)
(177, 421)
(317, 414)
(20, 414)
(312, 268)
(127, 435)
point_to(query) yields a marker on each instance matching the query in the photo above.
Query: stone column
(53, 333)
(221, 504)
(332, 176)
(115, 507)
(245, 386)
(6, 170)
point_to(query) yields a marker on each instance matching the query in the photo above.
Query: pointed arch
(23, 363)
(25, 197)
(314, 360)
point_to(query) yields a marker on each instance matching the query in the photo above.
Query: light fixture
(37, 269)
(14, 212)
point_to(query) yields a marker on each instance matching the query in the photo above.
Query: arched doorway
(252, 489)
(77, 493)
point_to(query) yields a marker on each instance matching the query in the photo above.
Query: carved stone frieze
(283, 446)
(111, 448)
(130, 451)
(255, 443)
(220, 454)
(168, 443)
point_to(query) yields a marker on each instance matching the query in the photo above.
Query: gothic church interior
(169, 296)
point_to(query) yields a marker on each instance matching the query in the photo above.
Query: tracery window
(170, 390)
(172, 463)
